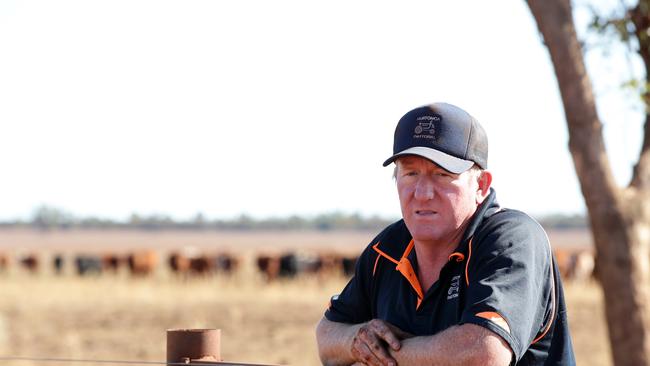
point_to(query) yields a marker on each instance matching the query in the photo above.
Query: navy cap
(444, 134)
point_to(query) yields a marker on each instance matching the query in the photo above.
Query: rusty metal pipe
(187, 345)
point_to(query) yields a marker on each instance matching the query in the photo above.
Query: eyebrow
(436, 168)
(407, 161)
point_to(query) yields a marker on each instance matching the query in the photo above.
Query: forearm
(334, 342)
(466, 344)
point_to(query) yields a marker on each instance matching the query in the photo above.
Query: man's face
(436, 204)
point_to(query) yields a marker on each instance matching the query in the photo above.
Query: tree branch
(639, 17)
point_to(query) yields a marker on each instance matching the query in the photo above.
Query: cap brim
(446, 161)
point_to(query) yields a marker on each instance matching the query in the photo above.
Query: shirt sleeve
(509, 281)
(353, 304)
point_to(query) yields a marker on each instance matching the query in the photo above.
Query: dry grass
(587, 321)
(123, 319)
(120, 318)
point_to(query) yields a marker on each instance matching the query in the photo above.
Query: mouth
(425, 212)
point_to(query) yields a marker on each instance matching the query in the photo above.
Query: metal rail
(126, 362)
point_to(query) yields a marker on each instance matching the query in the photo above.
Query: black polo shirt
(501, 277)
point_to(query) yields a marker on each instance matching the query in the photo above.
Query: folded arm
(379, 343)
(466, 344)
(366, 343)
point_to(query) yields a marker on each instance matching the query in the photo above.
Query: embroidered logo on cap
(425, 127)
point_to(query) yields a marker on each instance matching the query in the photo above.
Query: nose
(424, 189)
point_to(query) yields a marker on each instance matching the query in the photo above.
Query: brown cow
(201, 265)
(30, 262)
(111, 262)
(4, 262)
(331, 264)
(142, 263)
(269, 266)
(575, 264)
(178, 263)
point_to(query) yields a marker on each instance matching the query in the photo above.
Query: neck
(428, 254)
(430, 262)
(432, 256)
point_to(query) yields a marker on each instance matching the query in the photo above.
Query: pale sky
(275, 108)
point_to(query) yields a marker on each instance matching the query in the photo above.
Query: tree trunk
(619, 218)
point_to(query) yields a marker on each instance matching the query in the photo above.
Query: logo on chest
(454, 287)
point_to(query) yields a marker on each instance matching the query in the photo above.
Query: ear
(484, 183)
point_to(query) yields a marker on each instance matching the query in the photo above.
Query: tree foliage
(48, 217)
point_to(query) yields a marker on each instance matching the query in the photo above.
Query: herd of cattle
(146, 262)
(576, 264)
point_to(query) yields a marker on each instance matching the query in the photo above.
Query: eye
(444, 173)
(409, 173)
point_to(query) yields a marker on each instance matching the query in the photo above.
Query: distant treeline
(46, 217)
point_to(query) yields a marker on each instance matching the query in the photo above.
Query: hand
(369, 345)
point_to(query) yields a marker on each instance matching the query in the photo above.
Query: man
(459, 280)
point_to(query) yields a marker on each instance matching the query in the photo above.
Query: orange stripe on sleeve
(495, 318)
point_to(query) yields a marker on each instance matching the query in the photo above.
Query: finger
(362, 352)
(399, 333)
(381, 353)
(383, 331)
(374, 345)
